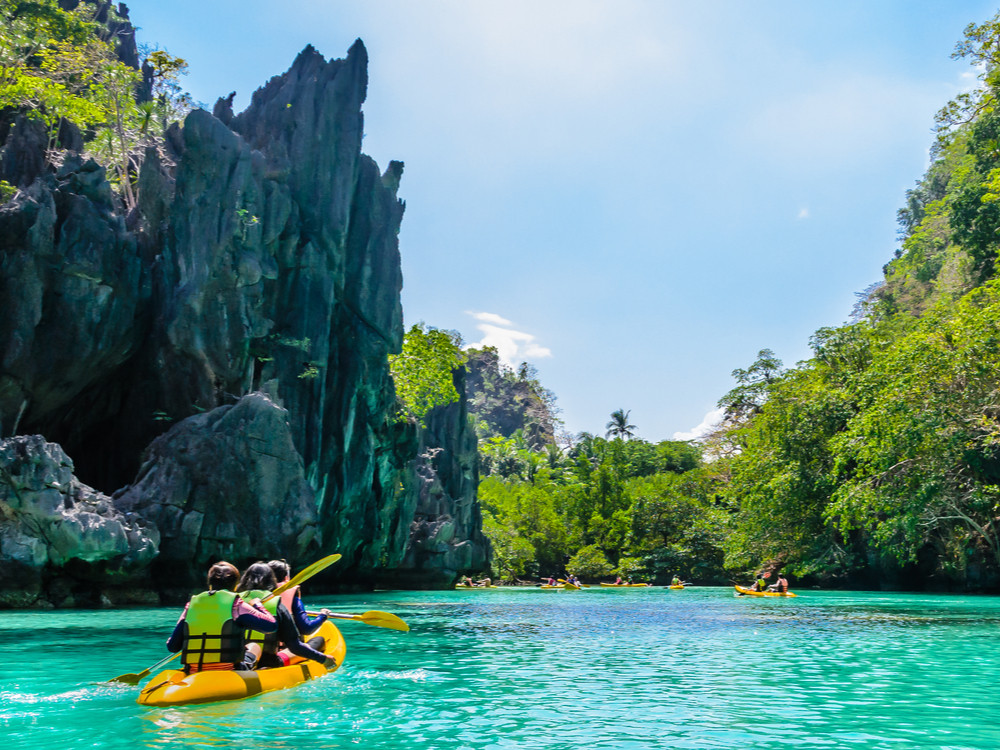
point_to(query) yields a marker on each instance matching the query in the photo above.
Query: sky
(633, 196)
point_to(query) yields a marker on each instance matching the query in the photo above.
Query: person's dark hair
(280, 568)
(258, 577)
(223, 576)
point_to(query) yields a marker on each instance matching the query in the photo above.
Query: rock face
(248, 305)
(445, 537)
(228, 485)
(51, 521)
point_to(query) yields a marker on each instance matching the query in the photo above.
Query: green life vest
(210, 634)
(269, 642)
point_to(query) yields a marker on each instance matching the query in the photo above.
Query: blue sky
(633, 196)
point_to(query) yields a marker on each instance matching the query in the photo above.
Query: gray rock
(227, 484)
(50, 523)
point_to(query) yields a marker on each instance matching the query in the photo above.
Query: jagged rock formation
(445, 538)
(50, 521)
(262, 258)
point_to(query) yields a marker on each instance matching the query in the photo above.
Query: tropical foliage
(422, 372)
(61, 65)
(601, 507)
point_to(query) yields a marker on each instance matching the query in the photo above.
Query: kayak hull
(751, 592)
(173, 687)
(677, 587)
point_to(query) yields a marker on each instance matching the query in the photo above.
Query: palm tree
(619, 426)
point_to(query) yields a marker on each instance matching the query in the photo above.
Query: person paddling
(210, 631)
(257, 582)
(304, 624)
(780, 585)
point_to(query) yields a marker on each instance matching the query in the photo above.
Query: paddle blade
(384, 620)
(372, 617)
(129, 679)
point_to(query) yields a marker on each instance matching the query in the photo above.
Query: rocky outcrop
(237, 321)
(229, 485)
(445, 538)
(49, 521)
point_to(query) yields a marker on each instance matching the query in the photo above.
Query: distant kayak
(460, 587)
(676, 586)
(751, 592)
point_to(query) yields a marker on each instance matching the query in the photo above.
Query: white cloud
(487, 317)
(513, 346)
(804, 213)
(711, 420)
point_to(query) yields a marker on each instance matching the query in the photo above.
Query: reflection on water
(538, 669)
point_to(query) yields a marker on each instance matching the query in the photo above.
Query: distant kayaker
(676, 581)
(760, 584)
(781, 585)
(618, 581)
(276, 649)
(484, 582)
(210, 631)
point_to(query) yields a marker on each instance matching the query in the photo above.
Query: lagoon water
(526, 668)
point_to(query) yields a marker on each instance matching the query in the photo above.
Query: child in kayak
(258, 581)
(210, 631)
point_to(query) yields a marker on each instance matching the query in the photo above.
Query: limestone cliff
(247, 305)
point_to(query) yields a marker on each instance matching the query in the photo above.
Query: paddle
(371, 617)
(131, 678)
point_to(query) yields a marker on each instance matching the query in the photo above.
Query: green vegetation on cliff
(879, 457)
(59, 65)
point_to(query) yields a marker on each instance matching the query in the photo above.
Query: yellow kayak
(174, 687)
(676, 587)
(751, 592)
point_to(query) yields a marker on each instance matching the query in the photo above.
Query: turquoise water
(652, 668)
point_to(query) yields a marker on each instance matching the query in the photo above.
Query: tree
(589, 563)
(422, 372)
(619, 426)
(747, 398)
